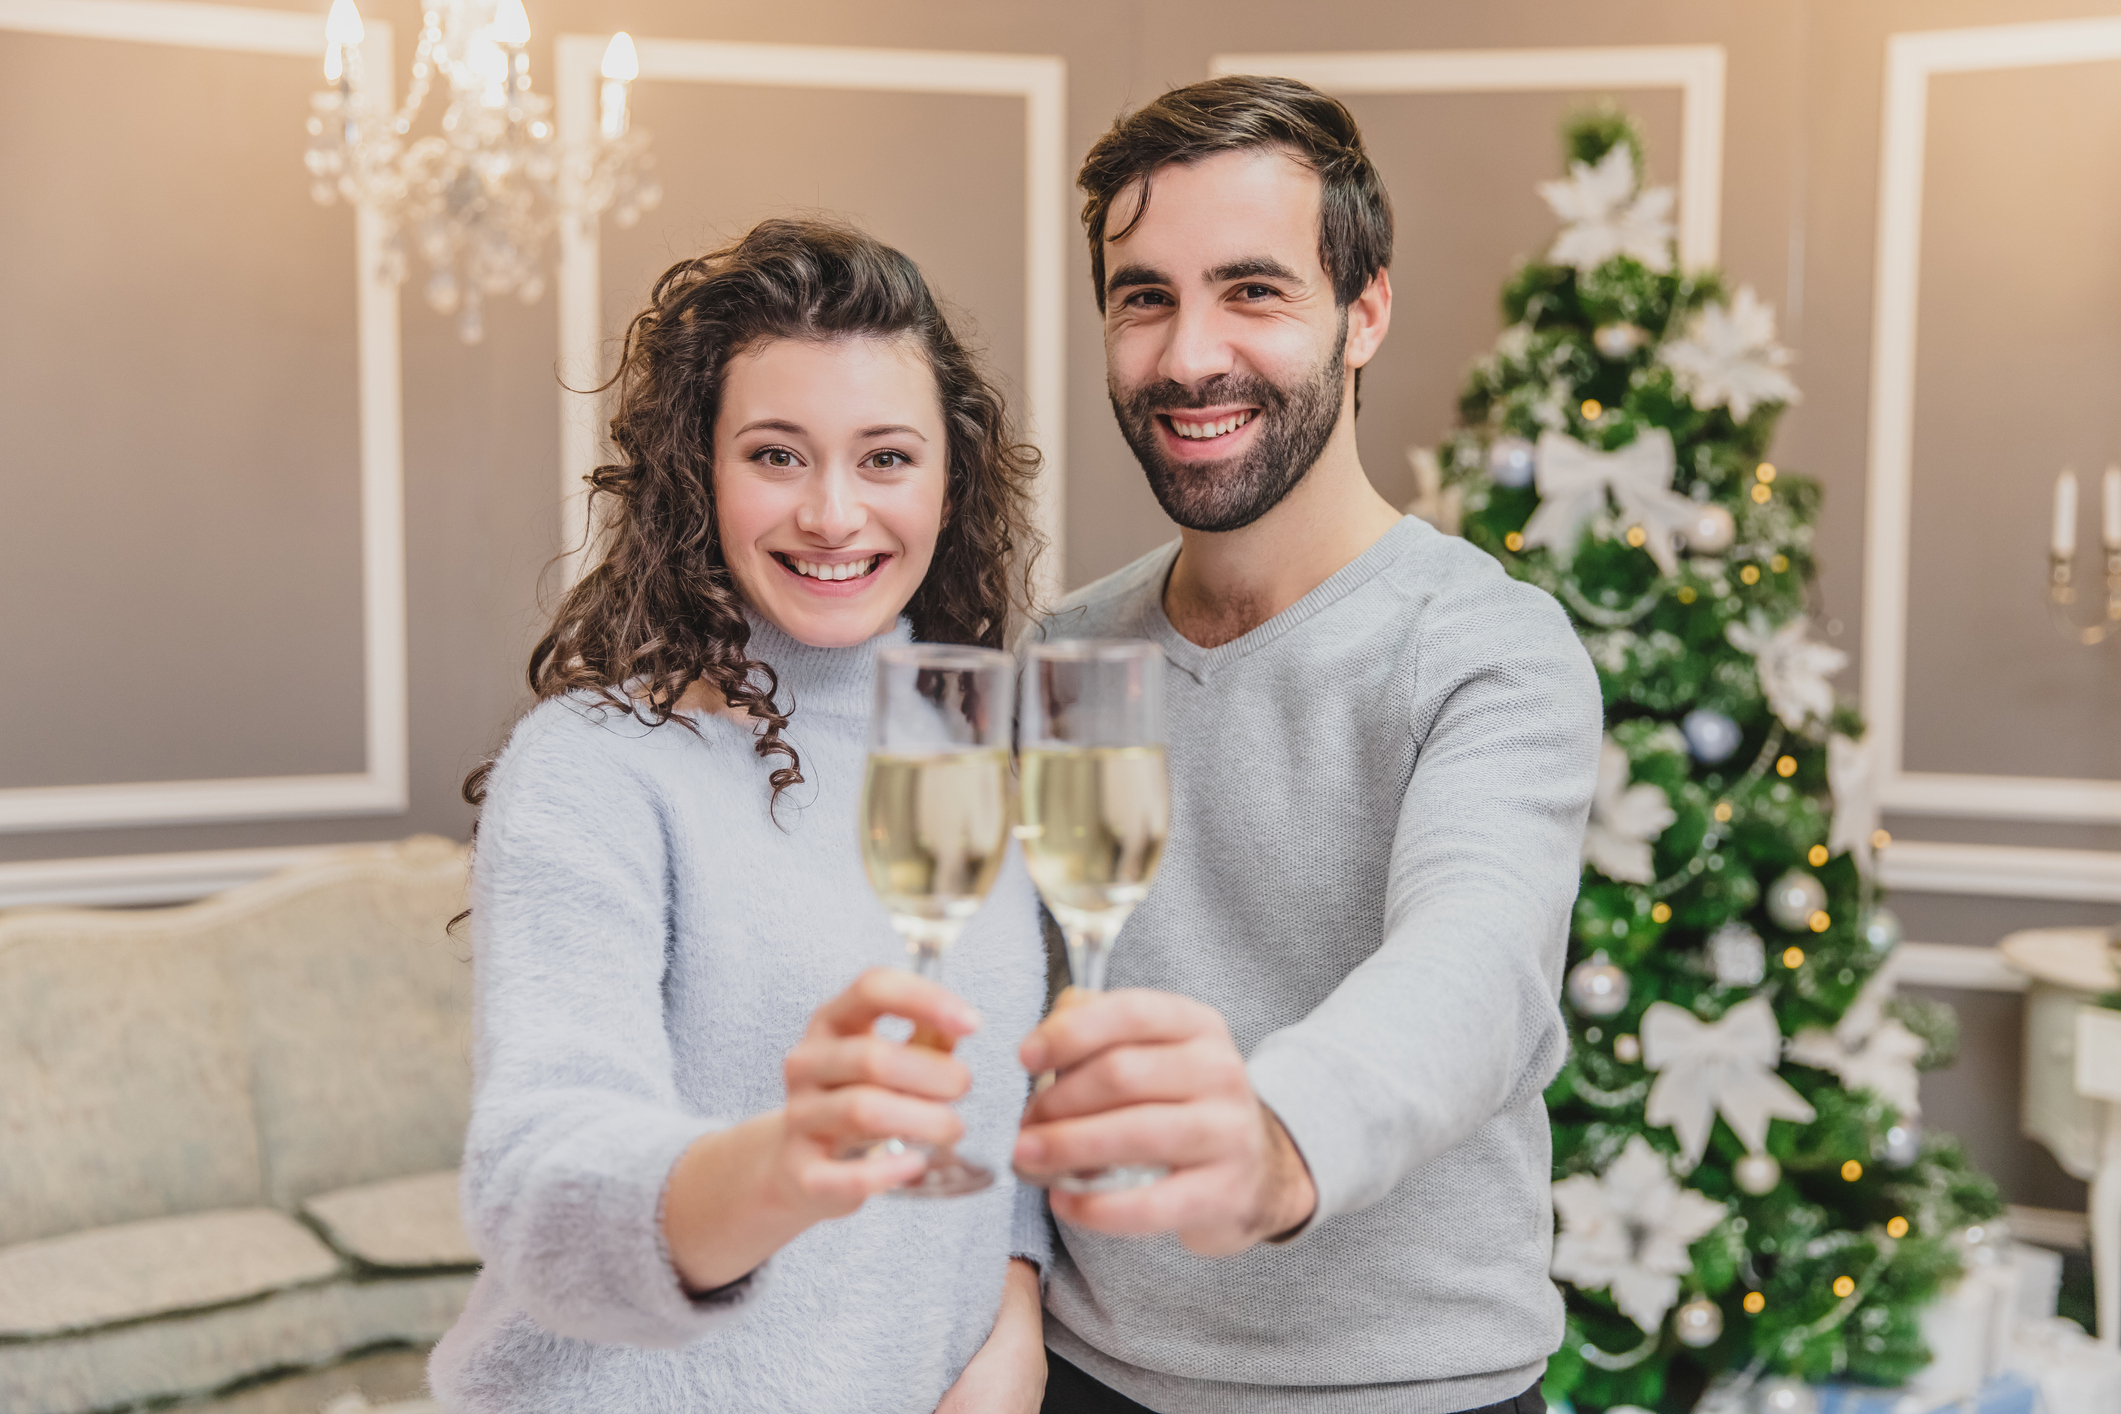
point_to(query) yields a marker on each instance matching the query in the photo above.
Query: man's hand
(1153, 1078)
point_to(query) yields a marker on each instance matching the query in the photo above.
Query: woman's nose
(833, 512)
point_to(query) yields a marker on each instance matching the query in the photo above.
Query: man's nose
(1198, 349)
(833, 511)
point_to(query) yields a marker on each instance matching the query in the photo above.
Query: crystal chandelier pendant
(479, 200)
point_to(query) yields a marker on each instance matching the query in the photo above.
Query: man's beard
(1296, 423)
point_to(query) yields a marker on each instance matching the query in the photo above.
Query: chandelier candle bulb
(2065, 537)
(342, 31)
(622, 65)
(511, 25)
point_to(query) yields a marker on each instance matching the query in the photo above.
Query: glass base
(946, 1176)
(1116, 1179)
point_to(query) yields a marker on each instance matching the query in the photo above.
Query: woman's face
(829, 482)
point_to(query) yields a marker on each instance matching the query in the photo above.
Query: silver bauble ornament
(1711, 737)
(1738, 955)
(1756, 1174)
(1627, 1049)
(1619, 340)
(1794, 898)
(1783, 1395)
(1698, 1323)
(1903, 1144)
(1881, 930)
(1597, 987)
(1511, 462)
(1711, 530)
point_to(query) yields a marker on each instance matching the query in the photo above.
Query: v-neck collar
(1200, 663)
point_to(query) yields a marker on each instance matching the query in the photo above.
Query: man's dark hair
(1231, 114)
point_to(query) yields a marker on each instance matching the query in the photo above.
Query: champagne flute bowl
(935, 825)
(1096, 808)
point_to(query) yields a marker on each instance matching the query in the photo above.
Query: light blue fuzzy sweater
(648, 945)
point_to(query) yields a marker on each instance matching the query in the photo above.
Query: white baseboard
(144, 878)
(2049, 1227)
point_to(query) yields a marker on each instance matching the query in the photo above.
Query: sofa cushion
(204, 1351)
(125, 1073)
(359, 1023)
(400, 1224)
(111, 1274)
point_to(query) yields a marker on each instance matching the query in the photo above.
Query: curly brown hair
(660, 610)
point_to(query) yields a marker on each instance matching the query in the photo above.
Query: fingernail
(1033, 1054)
(1030, 1152)
(968, 1019)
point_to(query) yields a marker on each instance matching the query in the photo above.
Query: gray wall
(179, 549)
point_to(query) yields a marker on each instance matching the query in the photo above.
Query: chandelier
(479, 200)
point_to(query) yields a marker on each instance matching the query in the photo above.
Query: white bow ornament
(1574, 481)
(1727, 1066)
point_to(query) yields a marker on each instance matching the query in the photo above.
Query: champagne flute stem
(928, 965)
(1089, 950)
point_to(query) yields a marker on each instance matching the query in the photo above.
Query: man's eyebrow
(887, 428)
(1129, 275)
(1252, 268)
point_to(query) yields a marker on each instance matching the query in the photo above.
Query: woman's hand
(1008, 1375)
(737, 1196)
(849, 1087)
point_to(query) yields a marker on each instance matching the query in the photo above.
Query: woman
(678, 960)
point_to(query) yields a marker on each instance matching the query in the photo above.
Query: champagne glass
(1097, 806)
(935, 824)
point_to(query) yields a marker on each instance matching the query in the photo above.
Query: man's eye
(1260, 292)
(1143, 299)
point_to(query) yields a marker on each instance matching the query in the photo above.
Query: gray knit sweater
(1379, 802)
(648, 944)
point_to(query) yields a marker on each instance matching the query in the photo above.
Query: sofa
(229, 1131)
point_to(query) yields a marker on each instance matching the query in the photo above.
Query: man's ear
(1369, 318)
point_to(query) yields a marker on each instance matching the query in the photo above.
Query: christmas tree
(1744, 1197)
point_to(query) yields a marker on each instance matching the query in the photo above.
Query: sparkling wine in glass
(935, 824)
(1096, 807)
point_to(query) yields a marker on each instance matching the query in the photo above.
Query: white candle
(613, 115)
(622, 65)
(2065, 542)
(2113, 508)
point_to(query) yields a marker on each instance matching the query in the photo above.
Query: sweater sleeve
(1455, 1017)
(1031, 1227)
(576, 1121)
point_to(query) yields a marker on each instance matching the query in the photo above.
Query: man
(1337, 1009)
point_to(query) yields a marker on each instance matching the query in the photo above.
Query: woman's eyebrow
(888, 428)
(773, 424)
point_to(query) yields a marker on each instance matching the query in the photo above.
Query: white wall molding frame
(383, 786)
(1965, 969)
(1911, 60)
(1696, 70)
(1040, 80)
(124, 880)
(2002, 871)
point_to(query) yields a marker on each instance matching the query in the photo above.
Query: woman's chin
(837, 622)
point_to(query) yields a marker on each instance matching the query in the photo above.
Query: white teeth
(1217, 428)
(852, 569)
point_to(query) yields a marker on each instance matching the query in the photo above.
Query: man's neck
(1227, 583)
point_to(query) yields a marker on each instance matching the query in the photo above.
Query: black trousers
(1070, 1391)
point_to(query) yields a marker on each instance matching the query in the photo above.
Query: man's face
(1224, 351)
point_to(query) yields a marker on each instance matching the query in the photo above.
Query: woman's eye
(885, 461)
(774, 456)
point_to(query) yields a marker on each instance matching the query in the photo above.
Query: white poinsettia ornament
(1868, 1049)
(1628, 1230)
(1603, 216)
(1793, 669)
(1727, 357)
(1625, 820)
(1848, 776)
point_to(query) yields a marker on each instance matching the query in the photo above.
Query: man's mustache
(1167, 396)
